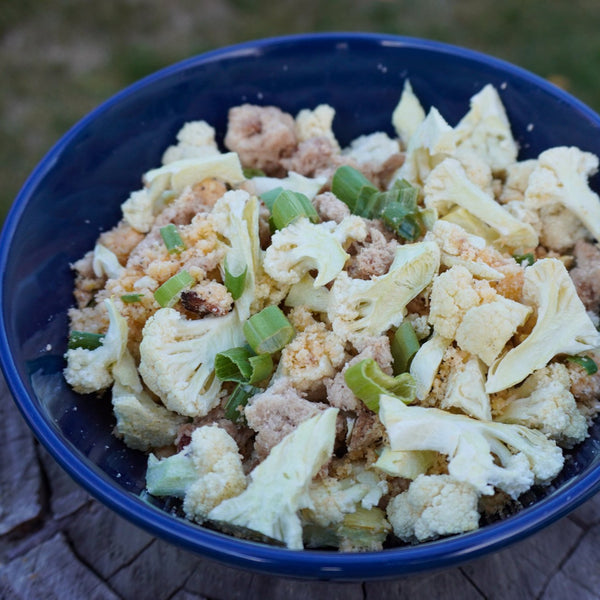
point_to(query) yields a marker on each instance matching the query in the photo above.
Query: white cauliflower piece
(373, 149)
(459, 248)
(485, 130)
(309, 186)
(516, 180)
(466, 390)
(408, 464)
(196, 139)
(188, 171)
(561, 177)
(303, 246)
(314, 354)
(142, 206)
(485, 454)
(205, 473)
(432, 142)
(279, 485)
(142, 423)
(90, 371)
(545, 402)
(359, 308)
(562, 326)
(485, 329)
(453, 293)
(408, 114)
(178, 356)
(316, 123)
(448, 185)
(434, 505)
(426, 362)
(106, 263)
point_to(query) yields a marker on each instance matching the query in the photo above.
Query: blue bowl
(77, 189)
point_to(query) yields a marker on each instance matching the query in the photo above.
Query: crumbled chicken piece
(330, 208)
(367, 432)
(313, 156)
(586, 388)
(276, 412)
(373, 257)
(586, 274)
(262, 136)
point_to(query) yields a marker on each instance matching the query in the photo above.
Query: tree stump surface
(58, 542)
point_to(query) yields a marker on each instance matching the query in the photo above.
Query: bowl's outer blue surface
(76, 192)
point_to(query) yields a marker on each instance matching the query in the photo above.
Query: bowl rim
(245, 554)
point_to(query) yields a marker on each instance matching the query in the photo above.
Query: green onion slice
(288, 206)
(521, 258)
(348, 183)
(168, 293)
(268, 331)
(586, 362)
(404, 346)
(131, 298)
(270, 196)
(243, 366)
(367, 381)
(85, 340)
(234, 282)
(171, 238)
(250, 172)
(238, 399)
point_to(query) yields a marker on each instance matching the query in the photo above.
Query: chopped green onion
(404, 346)
(242, 365)
(586, 362)
(235, 283)
(268, 331)
(131, 298)
(168, 293)
(250, 172)
(521, 258)
(238, 399)
(348, 183)
(367, 381)
(171, 238)
(85, 340)
(288, 206)
(270, 196)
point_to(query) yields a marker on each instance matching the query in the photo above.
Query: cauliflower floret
(90, 371)
(434, 505)
(408, 114)
(453, 293)
(316, 123)
(485, 454)
(517, 180)
(195, 139)
(205, 473)
(314, 354)
(485, 329)
(561, 177)
(448, 185)
(426, 362)
(360, 308)
(432, 142)
(106, 263)
(545, 402)
(371, 152)
(279, 485)
(466, 390)
(309, 186)
(303, 246)
(178, 355)
(562, 326)
(485, 130)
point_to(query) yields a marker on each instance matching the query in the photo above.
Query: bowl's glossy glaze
(76, 192)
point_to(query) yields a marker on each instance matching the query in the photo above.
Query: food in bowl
(347, 347)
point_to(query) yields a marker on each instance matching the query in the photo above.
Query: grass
(61, 58)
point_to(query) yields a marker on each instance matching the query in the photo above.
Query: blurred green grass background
(61, 58)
